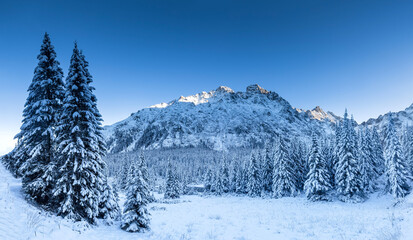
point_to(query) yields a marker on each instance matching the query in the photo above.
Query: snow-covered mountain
(401, 119)
(217, 119)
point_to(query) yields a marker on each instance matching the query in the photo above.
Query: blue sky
(336, 54)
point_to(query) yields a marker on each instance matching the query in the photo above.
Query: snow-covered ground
(219, 218)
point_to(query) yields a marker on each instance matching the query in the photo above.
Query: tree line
(349, 166)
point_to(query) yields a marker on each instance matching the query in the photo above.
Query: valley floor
(219, 218)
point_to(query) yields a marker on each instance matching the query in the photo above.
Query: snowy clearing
(196, 217)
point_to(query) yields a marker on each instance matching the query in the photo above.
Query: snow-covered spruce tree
(122, 177)
(135, 214)
(218, 184)
(300, 163)
(378, 159)
(348, 178)
(98, 128)
(233, 181)
(268, 168)
(242, 179)
(284, 180)
(108, 205)
(254, 184)
(318, 178)
(336, 151)
(408, 148)
(208, 180)
(396, 169)
(36, 151)
(172, 183)
(327, 151)
(366, 161)
(144, 167)
(80, 176)
(225, 177)
(185, 181)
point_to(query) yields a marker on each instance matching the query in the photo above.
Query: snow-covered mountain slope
(401, 119)
(217, 119)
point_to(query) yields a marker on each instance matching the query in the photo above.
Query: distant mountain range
(223, 119)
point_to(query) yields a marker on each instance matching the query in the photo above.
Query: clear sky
(336, 54)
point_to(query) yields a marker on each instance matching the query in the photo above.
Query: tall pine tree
(408, 148)
(366, 159)
(135, 214)
(396, 169)
(108, 205)
(208, 180)
(284, 178)
(241, 180)
(172, 184)
(318, 178)
(348, 178)
(81, 177)
(297, 155)
(378, 159)
(254, 184)
(268, 169)
(218, 183)
(98, 128)
(225, 176)
(35, 154)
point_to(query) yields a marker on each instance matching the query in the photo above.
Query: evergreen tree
(318, 178)
(98, 133)
(218, 185)
(254, 185)
(336, 156)
(366, 159)
(329, 156)
(268, 169)
(378, 153)
(34, 155)
(172, 185)
(298, 157)
(242, 179)
(108, 204)
(396, 169)
(208, 180)
(348, 177)
(225, 177)
(80, 176)
(234, 176)
(284, 178)
(143, 165)
(135, 214)
(408, 148)
(123, 175)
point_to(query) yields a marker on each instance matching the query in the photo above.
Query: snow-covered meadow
(219, 218)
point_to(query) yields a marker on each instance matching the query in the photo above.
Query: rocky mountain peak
(224, 89)
(255, 88)
(318, 109)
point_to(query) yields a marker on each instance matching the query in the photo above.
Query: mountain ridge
(222, 119)
(218, 119)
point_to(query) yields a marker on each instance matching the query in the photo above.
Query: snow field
(219, 218)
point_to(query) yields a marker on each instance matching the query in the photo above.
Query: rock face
(219, 119)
